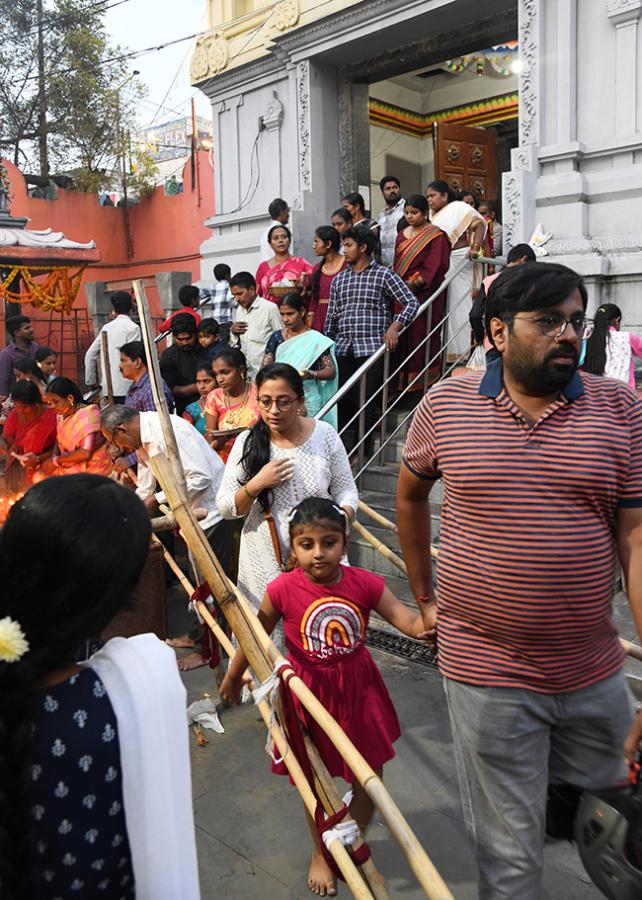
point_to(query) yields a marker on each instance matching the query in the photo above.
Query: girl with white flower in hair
(79, 815)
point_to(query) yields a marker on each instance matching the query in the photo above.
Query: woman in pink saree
(283, 272)
(81, 445)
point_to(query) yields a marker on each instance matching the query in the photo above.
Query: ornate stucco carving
(217, 54)
(199, 66)
(528, 48)
(286, 14)
(622, 11)
(209, 58)
(303, 123)
(512, 209)
(273, 114)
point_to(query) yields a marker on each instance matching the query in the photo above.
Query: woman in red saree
(29, 435)
(422, 257)
(290, 273)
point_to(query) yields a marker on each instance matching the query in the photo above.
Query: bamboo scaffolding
(104, 345)
(259, 650)
(168, 522)
(156, 380)
(633, 650)
(369, 511)
(353, 879)
(376, 543)
(174, 566)
(380, 547)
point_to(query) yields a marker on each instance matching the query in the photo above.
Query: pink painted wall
(166, 235)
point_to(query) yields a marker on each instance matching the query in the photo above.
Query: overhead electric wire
(133, 54)
(50, 19)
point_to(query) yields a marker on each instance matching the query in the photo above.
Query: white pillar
(624, 14)
(566, 71)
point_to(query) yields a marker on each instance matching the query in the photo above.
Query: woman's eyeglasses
(282, 403)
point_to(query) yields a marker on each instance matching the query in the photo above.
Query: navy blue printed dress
(77, 793)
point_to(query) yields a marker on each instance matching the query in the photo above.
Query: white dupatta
(149, 701)
(455, 218)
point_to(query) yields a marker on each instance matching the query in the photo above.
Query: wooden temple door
(465, 158)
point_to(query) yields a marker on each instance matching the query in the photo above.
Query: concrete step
(364, 555)
(386, 503)
(380, 478)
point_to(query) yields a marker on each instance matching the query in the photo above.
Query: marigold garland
(57, 292)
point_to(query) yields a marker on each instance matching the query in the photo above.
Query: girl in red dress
(325, 608)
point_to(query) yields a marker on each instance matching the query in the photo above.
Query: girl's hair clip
(292, 514)
(341, 511)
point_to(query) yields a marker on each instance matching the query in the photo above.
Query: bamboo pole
(332, 803)
(330, 798)
(156, 381)
(336, 848)
(369, 511)
(168, 522)
(174, 566)
(381, 548)
(633, 650)
(169, 473)
(104, 343)
(421, 864)
(261, 654)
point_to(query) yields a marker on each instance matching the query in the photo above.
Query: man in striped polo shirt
(542, 470)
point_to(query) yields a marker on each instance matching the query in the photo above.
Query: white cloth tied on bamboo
(269, 688)
(149, 701)
(271, 683)
(346, 832)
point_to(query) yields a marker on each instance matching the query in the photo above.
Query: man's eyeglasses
(282, 403)
(553, 325)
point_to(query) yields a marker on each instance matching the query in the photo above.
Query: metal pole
(427, 350)
(362, 418)
(384, 398)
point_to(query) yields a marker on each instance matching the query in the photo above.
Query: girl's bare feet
(181, 643)
(320, 877)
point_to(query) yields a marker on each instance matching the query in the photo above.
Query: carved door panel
(465, 157)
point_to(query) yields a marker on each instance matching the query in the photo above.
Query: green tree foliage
(72, 118)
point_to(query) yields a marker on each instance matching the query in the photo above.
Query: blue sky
(136, 24)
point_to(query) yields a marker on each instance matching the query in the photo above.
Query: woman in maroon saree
(327, 243)
(422, 257)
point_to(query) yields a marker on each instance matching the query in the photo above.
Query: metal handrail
(376, 356)
(424, 341)
(406, 390)
(370, 361)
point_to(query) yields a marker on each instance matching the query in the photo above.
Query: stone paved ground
(252, 838)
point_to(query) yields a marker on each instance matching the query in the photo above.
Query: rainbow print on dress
(332, 625)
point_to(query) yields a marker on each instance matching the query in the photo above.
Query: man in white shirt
(119, 330)
(389, 217)
(255, 320)
(142, 433)
(279, 213)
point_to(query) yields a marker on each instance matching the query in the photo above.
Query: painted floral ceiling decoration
(503, 59)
